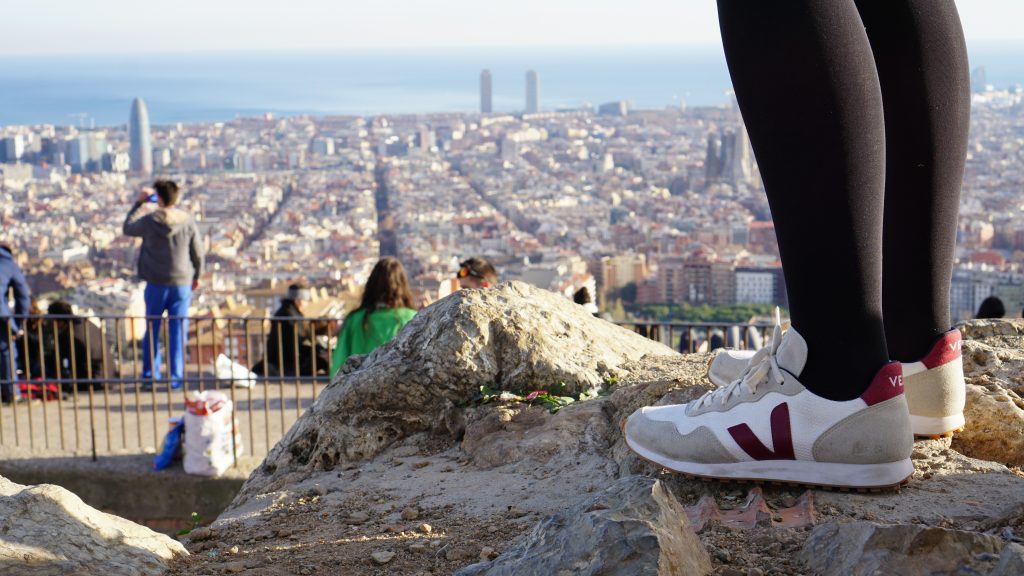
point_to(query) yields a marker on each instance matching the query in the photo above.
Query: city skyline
(79, 28)
(654, 207)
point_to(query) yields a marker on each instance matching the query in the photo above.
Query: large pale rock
(995, 424)
(1003, 333)
(864, 548)
(48, 530)
(994, 349)
(993, 354)
(514, 337)
(635, 527)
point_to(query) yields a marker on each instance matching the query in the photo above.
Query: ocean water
(200, 87)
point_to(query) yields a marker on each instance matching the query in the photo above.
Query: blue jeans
(8, 366)
(175, 301)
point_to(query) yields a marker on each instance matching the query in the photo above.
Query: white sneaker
(935, 388)
(767, 426)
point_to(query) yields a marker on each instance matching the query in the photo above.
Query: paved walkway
(124, 418)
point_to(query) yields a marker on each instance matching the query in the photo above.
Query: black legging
(857, 109)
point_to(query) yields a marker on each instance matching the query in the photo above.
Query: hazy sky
(76, 26)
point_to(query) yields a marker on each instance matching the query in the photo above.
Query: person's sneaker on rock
(766, 426)
(935, 387)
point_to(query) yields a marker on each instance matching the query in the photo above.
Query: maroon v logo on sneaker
(782, 437)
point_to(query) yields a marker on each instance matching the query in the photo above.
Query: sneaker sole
(929, 427)
(831, 475)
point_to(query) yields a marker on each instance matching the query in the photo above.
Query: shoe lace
(763, 365)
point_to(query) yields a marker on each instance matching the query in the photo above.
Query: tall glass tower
(485, 92)
(141, 142)
(532, 92)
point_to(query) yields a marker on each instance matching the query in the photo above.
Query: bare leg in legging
(849, 126)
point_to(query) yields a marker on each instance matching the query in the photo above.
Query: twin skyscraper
(532, 92)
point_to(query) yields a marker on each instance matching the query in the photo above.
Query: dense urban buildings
(642, 207)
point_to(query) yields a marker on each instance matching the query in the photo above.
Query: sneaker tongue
(792, 353)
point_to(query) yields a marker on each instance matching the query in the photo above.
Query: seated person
(386, 306)
(79, 347)
(476, 272)
(991, 307)
(289, 334)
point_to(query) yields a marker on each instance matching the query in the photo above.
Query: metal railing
(692, 337)
(85, 387)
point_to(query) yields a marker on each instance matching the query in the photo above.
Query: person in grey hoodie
(170, 261)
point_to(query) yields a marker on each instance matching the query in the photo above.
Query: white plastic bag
(228, 369)
(210, 434)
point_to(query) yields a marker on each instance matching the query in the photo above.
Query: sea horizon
(203, 87)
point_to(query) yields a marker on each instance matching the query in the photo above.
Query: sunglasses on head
(467, 271)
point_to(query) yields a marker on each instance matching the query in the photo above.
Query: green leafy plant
(550, 401)
(553, 399)
(196, 519)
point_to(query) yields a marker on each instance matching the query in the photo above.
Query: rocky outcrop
(634, 527)
(515, 338)
(398, 459)
(993, 353)
(47, 530)
(865, 548)
(995, 423)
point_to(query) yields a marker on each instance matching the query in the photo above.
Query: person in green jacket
(386, 306)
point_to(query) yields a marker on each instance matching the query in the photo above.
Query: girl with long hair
(386, 306)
